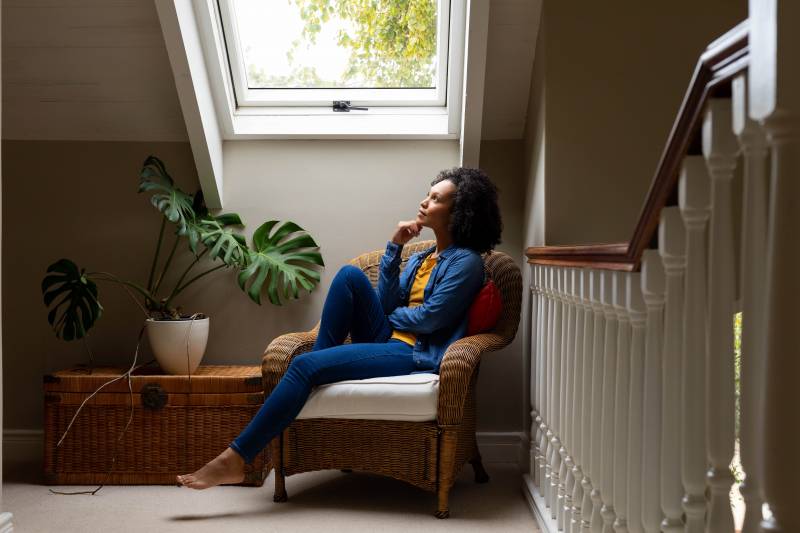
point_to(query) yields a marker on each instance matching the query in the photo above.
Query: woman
(403, 328)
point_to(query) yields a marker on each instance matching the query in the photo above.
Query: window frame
(390, 121)
(314, 97)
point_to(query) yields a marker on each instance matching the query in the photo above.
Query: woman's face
(434, 210)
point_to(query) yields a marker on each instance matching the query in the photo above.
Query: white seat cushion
(413, 397)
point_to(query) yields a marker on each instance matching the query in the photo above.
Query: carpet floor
(326, 501)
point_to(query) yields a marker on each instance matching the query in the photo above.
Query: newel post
(774, 98)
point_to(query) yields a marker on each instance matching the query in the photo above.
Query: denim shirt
(442, 318)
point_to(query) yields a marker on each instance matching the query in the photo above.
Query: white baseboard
(23, 446)
(6, 525)
(538, 506)
(26, 445)
(504, 447)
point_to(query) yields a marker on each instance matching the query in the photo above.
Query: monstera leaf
(78, 309)
(173, 203)
(221, 241)
(282, 260)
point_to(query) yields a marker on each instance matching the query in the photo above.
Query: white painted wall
(614, 80)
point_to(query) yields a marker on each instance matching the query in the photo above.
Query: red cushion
(485, 309)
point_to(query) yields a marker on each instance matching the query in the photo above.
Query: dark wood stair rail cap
(723, 59)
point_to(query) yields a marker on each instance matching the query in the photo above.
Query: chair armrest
(455, 373)
(280, 353)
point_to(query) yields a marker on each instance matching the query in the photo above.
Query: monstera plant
(281, 260)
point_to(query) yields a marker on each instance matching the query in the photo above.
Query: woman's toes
(198, 485)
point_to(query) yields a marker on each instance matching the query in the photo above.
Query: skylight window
(324, 69)
(373, 53)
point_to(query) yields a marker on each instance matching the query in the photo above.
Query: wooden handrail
(724, 58)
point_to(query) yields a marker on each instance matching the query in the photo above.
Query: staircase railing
(633, 384)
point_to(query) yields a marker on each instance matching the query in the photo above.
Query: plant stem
(155, 257)
(166, 265)
(175, 291)
(112, 277)
(200, 275)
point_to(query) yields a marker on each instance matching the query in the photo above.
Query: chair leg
(480, 473)
(447, 462)
(444, 510)
(477, 465)
(277, 461)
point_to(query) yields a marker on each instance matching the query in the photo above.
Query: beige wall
(534, 212)
(78, 200)
(605, 89)
(501, 394)
(615, 78)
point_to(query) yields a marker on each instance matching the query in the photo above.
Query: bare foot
(227, 467)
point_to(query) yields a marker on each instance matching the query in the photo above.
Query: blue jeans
(352, 306)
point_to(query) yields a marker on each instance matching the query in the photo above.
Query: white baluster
(543, 473)
(589, 375)
(562, 451)
(577, 400)
(720, 149)
(621, 402)
(653, 286)
(568, 444)
(555, 397)
(542, 380)
(609, 392)
(547, 435)
(536, 319)
(672, 247)
(597, 401)
(694, 192)
(753, 142)
(774, 98)
(638, 316)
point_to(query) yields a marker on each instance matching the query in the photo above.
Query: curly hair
(475, 220)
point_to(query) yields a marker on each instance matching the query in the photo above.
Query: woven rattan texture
(403, 450)
(179, 437)
(409, 448)
(206, 379)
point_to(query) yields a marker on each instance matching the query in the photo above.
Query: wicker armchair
(428, 454)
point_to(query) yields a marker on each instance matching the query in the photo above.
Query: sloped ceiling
(98, 70)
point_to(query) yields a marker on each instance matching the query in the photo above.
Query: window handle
(343, 106)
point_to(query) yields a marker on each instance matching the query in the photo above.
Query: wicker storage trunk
(179, 424)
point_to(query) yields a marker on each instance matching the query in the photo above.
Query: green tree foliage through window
(392, 43)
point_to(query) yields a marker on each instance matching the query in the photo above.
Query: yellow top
(415, 298)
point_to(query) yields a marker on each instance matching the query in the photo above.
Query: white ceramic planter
(169, 338)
